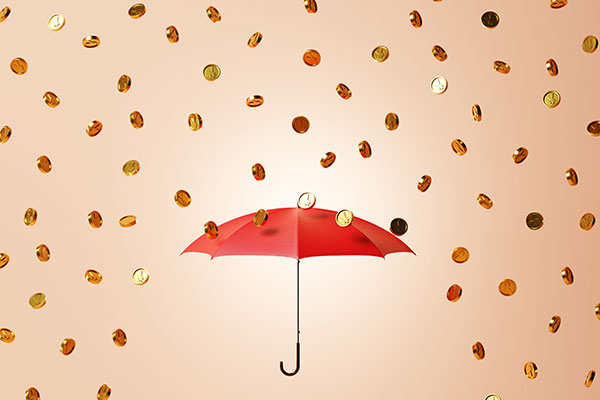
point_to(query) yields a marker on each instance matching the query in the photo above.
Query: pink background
(371, 328)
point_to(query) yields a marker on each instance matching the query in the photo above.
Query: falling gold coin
(344, 91)
(478, 351)
(211, 230)
(260, 217)
(530, 369)
(485, 201)
(136, 119)
(344, 218)
(439, 53)
(597, 310)
(438, 85)
(398, 226)
(380, 53)
(119, 337)
(311, 6)
(91, 41)
(6, 335)
(93, 276)
(552, 67)
(554, 324)
(507, 287)
(195, 121)
(258, 172)
(137, 10)
(183, 198)
(587, 221)
(593, 129)
(172, 34)
(32, 394)
(56, 22)
(571, 176)
(460, 255)
(4, 13)
(93, 128)
(103, 392)
(30, 216)
(300, 124)
(490, 19)
(492, 397)
(590, 378)
(520, 155)
(567, 275)
(459, 147)
(213, 14)
(124, 83)
(42, 252)
(128, 221)
(415, 18)
(140, 276)
(534, 220)
(95, 219)
(255, 101)
(211, 72)
(311, 57)
(67, 346)
(364, 148)
(590, 44)
(18, 66)
(37, 301)
(392, 121)
(51, 99)
(328, 159)
(551, 99)
(5, 133)
(44, 165)
(424, 183)
(502, 67)
(558, 3)
(254, 40)
(131, 167)
(476, 112)
(306, 200)
(454, 292)
(4, 259)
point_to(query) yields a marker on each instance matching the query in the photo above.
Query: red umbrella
(298, 233)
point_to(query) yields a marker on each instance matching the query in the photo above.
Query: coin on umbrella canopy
(398, 226)
(211, 230)
(67, 346)
(454, 292)
(42, 252)
(5, 133)
(254, 40)
(6, 335)
(91, 41)
(571, 176)
(255, 101)
(30, 216)
(590, 44)
(552, 67)
(32, 394)
(459, 147)
(211, 72)
(343, 91)
(258, 171)
(93, 276)
(311, 57)
(103, 392)
(124, 83)
(485, 201)
(507, 287)
(593, 129)
(136, 119)
(140, 276)
(439, 53)
(328, 159)
(306, 200)
(127, 221)
(590, 378)
(311, 6)
(567, 275)
(213, 14)
(531, 370)
(300, 124)
(18, 66)
(37, 300)
(44, 164)
(119, 337)
(476, 112)
(195, 121)
(364, 148)
(520, 155)
(551, 99)
(51, 99)
(534, 220)
(478, 351)
(554, 324)
(4, 259)
(460, 255)
(260, 217)
(344, 218)
(131, 167)
(490, 19)
(183, 198)
(415, 19)
(93, 128)
(392, 121)
(438, 85)
(172, 34)
(95, 219)
(558, 3)
(587, 221)
(380, 53)
(424, 183)
(137, 10)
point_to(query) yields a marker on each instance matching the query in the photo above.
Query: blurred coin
(119, 337)
(597, 310)
(507, 287)
(490, 19)
(4, 13)
(255, 101)
(439, 53)
(6, 335)
(140, 276)
(44, 165)
(93, 128)
(485, 201)
(478, 350)
(93, 276)
(213, 14)
(501, 66)
(571, 176)
(520, 155)
(37, 300)
(328, 159)
(5, 133)
(30, 216)
(300, 124)
(590, 378)
(311, 57)
(590, 44)
(137, 10)
(51, 99)
(344, 91)
(211, 72)
(438, 85)
(67, 346)
(344, 218)
(183, 198)
(459, 147)
(492, 397)
(42, 252)
(18, 66)
(364, 149)
(258, 172)
(460, 255)
(211, 230)
(587, 221)
(124, 83)
(558, 3)
(454, 292)
(56, 22)
(415, 18)
(398, 226)
(380, 53)
(172, 34)
(195, 121)
(131, 167)
(567, 275)
(128, 221)
(534, 220)
(254, 40)
(476, 111)
(136, 119)
(103, 392)
(593, 129)
(554, 324)
(551, 99)
(530, 369)
(91, 41)
(95, 219)
(424, 183)
(4, 259)
(260, 217)
(552, 67)
(306, 200)
(311, 6)
(32, 394)
(392, 121)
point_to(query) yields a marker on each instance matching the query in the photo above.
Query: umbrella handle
(297, 363)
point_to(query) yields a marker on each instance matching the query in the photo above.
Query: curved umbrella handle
(297, 363)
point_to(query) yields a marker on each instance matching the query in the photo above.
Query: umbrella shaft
(298, 301)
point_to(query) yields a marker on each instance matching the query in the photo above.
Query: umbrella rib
(371, 241)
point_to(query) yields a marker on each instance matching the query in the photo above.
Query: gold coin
(6, 335)
(587, 221)
(213, 14)
(183, 198)
(254, 40)
(552, 67)
(311, 6)
(42, 252)
(211, 72)
(128, 221)
(554, 324)
(424, 183)
(37, 300)
(501, 66)
(438, 85)
(590, 44)
(344, 91)
(567, 275)
(44, 164)
(398, 226)
(344, 218)
(558, 3)
(67, 346)
(520, 155)
(93, 128)
(93, 276)
(415, 18)
(4, 13)
(306, 200)
(590, 378)
(131, 167)
(30, 216)
(534, 220)
(124, 83)
(18, 66)
(51, 99)
(311, 57)
(392, 121)
(478, 351)
(195, 121)
(380, 53)
(91, 41)
(140, 276)
(492, 397)
(172, 34)
(5, 133)
(32, 394)
(136, 119)
(119, 337)
(258, 171)
(95, 219)
(439, 53)
(4, 259)
(485, 201)
(260, 217)
(364, 148)
(530, 369)
(551, 99)
(490, 19)
(255, 101)
(597, 310)
(454, 292)
(211, 230)
(460, 255)
(300, 124)
(593, 129)
(137, 10)
(56, 22)
(328, 159)
(103, 392)
(459, 147)
(507, 287)
(571, 176)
